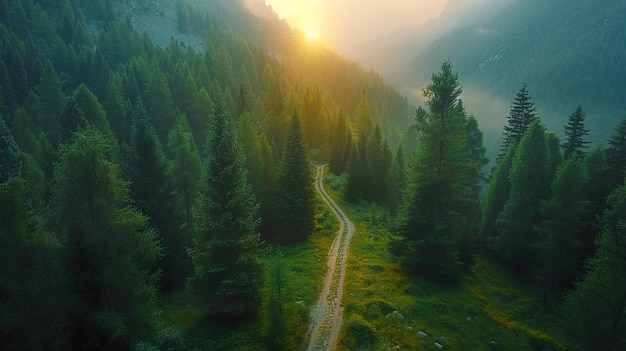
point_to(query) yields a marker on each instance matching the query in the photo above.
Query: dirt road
(327, 314)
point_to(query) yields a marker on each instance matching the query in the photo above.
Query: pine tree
(184, 170)
(10, 153)
(496, 197)
(51, 102)
(295, 187)
(574, 132)
(340, 145)
(560, 232)
(530, 184)
(522, 113)
(226, 274)
(441, 181)
(30, 275)
(595, 310)
(159, 104)
(616, 156)
(396, 180)
(72, 120)
(152, 188)
(110, 251)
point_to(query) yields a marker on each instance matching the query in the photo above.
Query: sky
(346, 23)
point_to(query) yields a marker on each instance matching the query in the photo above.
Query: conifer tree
(51, 102)
(595, 310)
(159, 104)
(152, 188)
(10, 153)
(574, 132)
(184, 170)
(560, 233)
(110, 249)
(396, 180)
(522, 113)
(72, 120)
(441, 181)
(30, 275)
(295, 187)
(226, 274)
(530, 184)
(616, 156)
(496, 196)
(340, 145)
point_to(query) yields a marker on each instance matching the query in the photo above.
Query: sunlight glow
(312, 34)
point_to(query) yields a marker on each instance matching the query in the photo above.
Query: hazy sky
(345, 23)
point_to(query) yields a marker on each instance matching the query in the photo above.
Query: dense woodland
(131, 172)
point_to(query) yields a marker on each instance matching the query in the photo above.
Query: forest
(161, 197)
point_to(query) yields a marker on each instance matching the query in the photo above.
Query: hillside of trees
(133, 173)
(568, 52)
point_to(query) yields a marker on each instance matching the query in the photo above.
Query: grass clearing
(386, 309)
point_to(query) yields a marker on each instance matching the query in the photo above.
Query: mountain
(386, 53)
(569, 53)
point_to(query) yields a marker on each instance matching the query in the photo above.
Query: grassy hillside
(486, 309)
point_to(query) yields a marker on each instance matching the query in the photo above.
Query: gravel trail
(327, 314)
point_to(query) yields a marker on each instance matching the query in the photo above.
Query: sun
(312, 34)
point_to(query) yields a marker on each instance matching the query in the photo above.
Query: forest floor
(327, 314)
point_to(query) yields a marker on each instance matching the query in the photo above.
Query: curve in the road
(327, 314)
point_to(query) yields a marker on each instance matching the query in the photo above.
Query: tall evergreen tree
(72, 120)
(433, 214)
(184, 170)
(109, 248)
(396, 180)
(30, 312)
(522, 113)
(51, 102)
(226, 276)
(530, 184)
(496, 197)
(595, 311)
(152, 188)
(616, 156)
(10, 153)
(560, 233)
(340, 145)
(295, 187)
(574, 132)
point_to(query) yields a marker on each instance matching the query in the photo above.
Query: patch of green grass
(486, 309)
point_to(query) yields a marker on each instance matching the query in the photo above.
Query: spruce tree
(152, 188)
(574, 132)
(10, 153)
(340, 145)
(440, 183)
(226, 276)
(522, 113)
(560, 233)
(184, 170)
(595, 311)
(30, 312)
(530, 184)
(295, 187)
(110, 250)
(496, 196)
(616, 156)
(72, 120)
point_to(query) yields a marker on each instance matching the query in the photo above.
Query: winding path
(327, 314)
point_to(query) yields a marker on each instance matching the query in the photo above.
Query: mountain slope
(568, 52)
